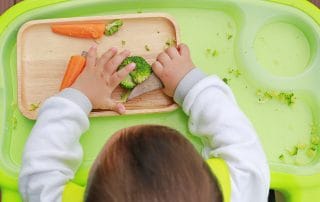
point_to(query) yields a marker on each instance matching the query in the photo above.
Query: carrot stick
(74, 69)
(89, 30)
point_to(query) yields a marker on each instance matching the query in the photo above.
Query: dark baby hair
(152, 163)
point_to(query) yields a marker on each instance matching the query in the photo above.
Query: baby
(146, 163)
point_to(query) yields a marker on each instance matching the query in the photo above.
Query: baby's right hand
(100, 77)
(171, 66)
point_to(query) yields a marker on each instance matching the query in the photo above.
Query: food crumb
(229, 36)
(147, 48)
(226, 81)
(34, 106)
(281, 157)
(14, 122)
(235, 72)
(293, 151)
(170, 43)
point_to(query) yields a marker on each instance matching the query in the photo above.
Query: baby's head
(151, 164)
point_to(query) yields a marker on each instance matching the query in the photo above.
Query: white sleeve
(215, 116)
(53, 152)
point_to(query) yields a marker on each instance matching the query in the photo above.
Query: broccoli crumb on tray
(123, 43)
(142, 71)
(210, 52)
(147, 48)
(34, 106)
(287, 98)
(303, 153)
(170, 42)
(14, 122)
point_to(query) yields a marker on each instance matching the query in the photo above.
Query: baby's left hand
(100, 77)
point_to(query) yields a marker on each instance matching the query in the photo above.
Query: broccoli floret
(127, 83)
(113, 27)
(142, 71)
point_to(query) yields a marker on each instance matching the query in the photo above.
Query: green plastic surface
(272, 46)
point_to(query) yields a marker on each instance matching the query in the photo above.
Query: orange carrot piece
(89, 30)
(74, 69)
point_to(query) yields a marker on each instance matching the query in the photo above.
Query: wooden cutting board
(42, 57)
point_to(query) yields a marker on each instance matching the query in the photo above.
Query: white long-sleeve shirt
(53, 152)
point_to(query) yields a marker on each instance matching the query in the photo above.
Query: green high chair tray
(267, 51)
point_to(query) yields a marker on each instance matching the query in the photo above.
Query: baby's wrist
(78, 98)
(187, 82)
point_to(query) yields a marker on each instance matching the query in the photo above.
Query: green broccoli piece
(293, 151)
(315, 140)
(281, 157)
(311, 152)
(170, 43)
(301, 146)
(128, 83)
(226, 80)
(124, 95)
(287, 98)
(229, 36)
(214, 53)
(113, 27)
(142, 71)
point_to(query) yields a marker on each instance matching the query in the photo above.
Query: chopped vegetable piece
(170, 43)
(214, 53)
(281, 157)
(128, 83)
(235, 72)
(229, 36)
(113, 27)
(147, 48)
(123, 43)
(75, 67)
(226, 80)
(124, 95)
(315, 139)
(267, 95)
(211, 52)
(34, 107)
(142, 71)
(311, 152)
(89, 30)
(293, 151)
(301, 146)
(287, 98)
